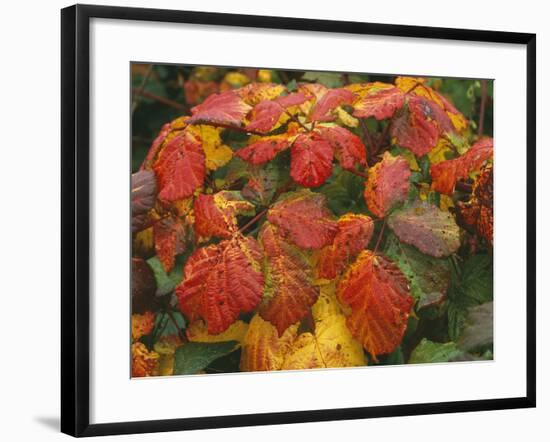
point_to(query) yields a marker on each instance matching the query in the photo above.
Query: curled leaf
(348, 147)
(326, 105)
(170, 240)
(446, 173)
(142, 325)
(144, 362)
(144, 189)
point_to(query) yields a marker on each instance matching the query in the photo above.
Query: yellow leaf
(197, 331)
(236, 79)
(411, 159)
(166, 347)
(438, 153)
(144, 362)
(445, 202)
(217, 154)
(264, 76)
(143, 243)
(142, 325)
(346, 118)
(262, 348)
(331, 345)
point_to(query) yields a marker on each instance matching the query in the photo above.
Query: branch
(137, 94)
(482, 107)
(162, 100)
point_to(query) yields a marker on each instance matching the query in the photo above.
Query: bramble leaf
(221, 281)
(378, 100)
(347, 146)
(289, 290)
(303, 217)
(144, 189)
(377, 294)
(311, 160)
(226, 108)
(180, 167)
(264, 149)
(192, 357)
(216, 215)
(354, 234)
(170, 240)
(428, 352)
(323, 109)
(423, 225)
(446, 173)
(388, 184)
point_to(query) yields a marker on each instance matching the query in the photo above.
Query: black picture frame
(75, 212)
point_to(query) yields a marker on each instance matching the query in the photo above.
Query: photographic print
(293, 220)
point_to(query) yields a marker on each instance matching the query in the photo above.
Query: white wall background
(29, 245)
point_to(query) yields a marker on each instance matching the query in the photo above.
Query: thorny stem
(482, 107)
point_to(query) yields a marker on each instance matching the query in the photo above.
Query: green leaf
(344, 192)
(166, 282)
(328, 79)
(428, 352)
(193, 357)
(429, 277)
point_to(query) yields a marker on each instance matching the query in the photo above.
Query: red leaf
(446, 173)
(216, 215)
(388, 184)
(289, 290)
(378, 295)
(322, 110)
(428, 228)
(170, 238)
(311, 160)
(226, 108)
(264, 149)
(180, 168)
(378, 100)
(348, 147)
(221, 281)
(303, 217)
(266, 114)
(414, 128)
(354, 234)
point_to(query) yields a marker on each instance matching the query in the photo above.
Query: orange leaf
(354, 234)
(446, 173)
(170, 238)
(266, 114)
(311, 160)
(388, 184)
(254, 93)
(348, 147)
(304, 218)
(377, 293)
(144, 362)
(477, 213)
(180, 168)
(226, 108)
(323, 109)
(289, 291)
(142, 325)
(216, 215)
(221, 281)
(378, 100)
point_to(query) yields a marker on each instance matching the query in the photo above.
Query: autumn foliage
(295, 224)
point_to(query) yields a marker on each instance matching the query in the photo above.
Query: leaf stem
(160, 99)
(252, 221)
(181, 335)
(380, 235)
(356, 172)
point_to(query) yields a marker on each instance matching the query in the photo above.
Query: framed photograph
(340, 229)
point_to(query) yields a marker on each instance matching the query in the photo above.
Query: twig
(356, 172)
(367, 138)
(253, 220)
(229, 126)
(482, 107)
(180, 332)
(162, 100)
(137, 94)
